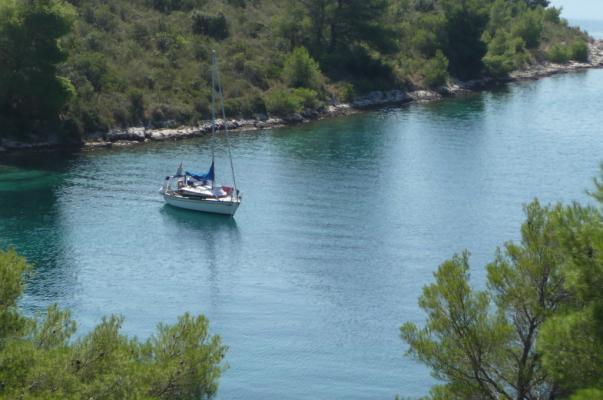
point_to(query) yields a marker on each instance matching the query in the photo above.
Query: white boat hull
(225, 206)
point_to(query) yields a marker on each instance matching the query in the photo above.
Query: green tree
(283, 102)
(354, 21)
(435, 70)
(347, 36)
(466, 22)
(161, 48)
(429, 35)
(294, 26)
(39, 359)
(529, 26)
(537, 332)
(301, 70)
(559, 53)
(537, 3)
(30, 89)
(579, 50)
(482, 344)
(572, 341)
(505, 54)
(338, 24)
(210, 25)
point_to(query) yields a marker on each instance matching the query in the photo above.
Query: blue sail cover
(209, 176)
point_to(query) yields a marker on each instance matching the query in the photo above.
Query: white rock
(424, 95)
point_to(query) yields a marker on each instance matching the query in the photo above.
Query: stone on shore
(136, 134)
(294, 118)
(424, 95)
(379, 98)
(173, 134)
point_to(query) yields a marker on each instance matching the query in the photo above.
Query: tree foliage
(30, 88)
(435, 70)
(301, 70)
(146, 62)
(465, 23)
(40, 359)
(537, 331)
(210, 25)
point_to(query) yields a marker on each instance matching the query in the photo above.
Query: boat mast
(234, 181)
(213, 110)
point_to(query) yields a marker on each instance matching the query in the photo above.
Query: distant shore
(373, 100)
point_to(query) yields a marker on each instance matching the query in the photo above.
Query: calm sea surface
(343, 222)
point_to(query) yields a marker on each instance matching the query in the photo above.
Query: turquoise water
(343, 222)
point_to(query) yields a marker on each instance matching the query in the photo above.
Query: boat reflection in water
(200, 221)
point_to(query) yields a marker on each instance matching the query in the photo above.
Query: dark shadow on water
(463, 108)
(31, 221)
(55, 160)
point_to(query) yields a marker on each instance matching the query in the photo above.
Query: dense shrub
(105, 20)
(498, 65)
(558, 53)
(430, 34)
(30, 88)
(435, 70)
(505, 54)
(214, 26)
(529, 27)
(162, 48)
(562, 53)
(41, 359)
(552, 15)
(247, 102)
(579, 50)
(282, 102)
(346, 92)
(167, 6)
(137, 106)
(465, 23)
(358, 64)
(308, 98)
(301, 70)
(93, 67)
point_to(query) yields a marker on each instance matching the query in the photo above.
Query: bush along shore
(373, 100)
(105, 72)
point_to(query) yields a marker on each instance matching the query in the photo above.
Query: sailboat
(201, 192)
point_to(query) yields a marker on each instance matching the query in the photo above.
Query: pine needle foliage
(41, 359)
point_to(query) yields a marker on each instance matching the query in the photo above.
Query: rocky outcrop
(595, 49)
(339, 109)
(145, 134)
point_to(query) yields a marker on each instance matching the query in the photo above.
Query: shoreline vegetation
(111, 72)
(535, 329)
(371, 101)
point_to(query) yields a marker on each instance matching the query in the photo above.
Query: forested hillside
(146, 62)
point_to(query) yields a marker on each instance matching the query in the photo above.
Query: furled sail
(209, 176)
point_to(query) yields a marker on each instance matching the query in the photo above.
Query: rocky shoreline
(376, 99)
